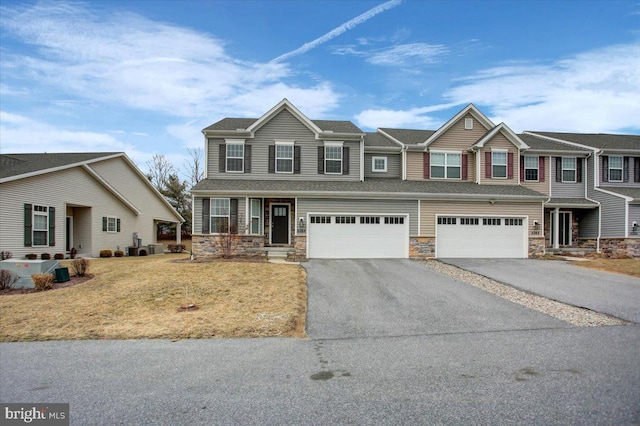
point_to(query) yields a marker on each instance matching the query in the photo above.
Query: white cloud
(596, 91)
(352, 23)
(414, 118)
(127, 60)
(400, 55)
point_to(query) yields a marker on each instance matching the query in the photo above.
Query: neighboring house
(325, 189)
(602, 208)
(51, 203)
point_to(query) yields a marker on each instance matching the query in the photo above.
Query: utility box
(62, 275)
(25, 268)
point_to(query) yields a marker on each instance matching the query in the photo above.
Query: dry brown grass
(140, 297)
(621, 266)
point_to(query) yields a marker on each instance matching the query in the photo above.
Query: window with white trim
(235, 157)
(112, 224)
(445, 165)
(256, 215)
(378, 164)
(615, 168)
(499, 164)
(531, 164)
(333, 159)
(284, 157)
(40, 230)
(220, 213)
(569, 169)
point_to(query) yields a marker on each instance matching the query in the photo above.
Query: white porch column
(556, 228)
(178, 233)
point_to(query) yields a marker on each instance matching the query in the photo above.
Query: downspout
(404, 162)
(478, 166)
(362, 158)
(596, 176)
(206, 156)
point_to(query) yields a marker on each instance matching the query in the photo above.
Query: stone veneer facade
(206, 247)
(613, 247)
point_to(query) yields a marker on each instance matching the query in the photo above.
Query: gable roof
(506, 131)
(469, 109)
(540, 143)
(407, 136)
(597, 140)
(17, 165)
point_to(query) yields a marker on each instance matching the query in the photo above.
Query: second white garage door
(331, 236)
(481, 237)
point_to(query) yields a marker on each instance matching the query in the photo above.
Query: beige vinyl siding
(457, 138)
(357, 206)
(71, 188)
(394, 169)
(429, 210)
(283, 126)
(415, 166)
(499, 141)
(542, 187)
(242, 214)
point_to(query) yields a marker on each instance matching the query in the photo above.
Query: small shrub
(6, 255)
(7, 279)
(31, 256)
(106, 253)
(45, 256)
(142, 252)
(72, 253)
(58, 256)
(42, 281)
(176, 248)
(80, 266)
(118, 253)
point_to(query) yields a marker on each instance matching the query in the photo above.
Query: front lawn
(621, 266)
(141, 297)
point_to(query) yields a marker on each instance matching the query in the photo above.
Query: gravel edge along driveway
(580, 317)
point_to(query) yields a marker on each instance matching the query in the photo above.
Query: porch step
(575, 251)
(278, 252)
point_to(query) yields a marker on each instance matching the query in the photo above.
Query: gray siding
(306, 205)
(634, 215)
(613, 207)
(394, 169)
(283, 126)
(566, 190)
(588, 226)
(197, 214)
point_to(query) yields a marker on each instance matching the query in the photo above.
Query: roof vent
(328, 131)
(468, 123)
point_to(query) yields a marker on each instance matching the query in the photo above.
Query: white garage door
(489, 237)
(333, 236)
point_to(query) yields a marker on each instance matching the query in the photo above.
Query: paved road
(567, 376)
(614, 294)
(365, 298)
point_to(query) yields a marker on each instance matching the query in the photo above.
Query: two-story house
(325, 189)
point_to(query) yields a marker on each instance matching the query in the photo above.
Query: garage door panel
(359, 240)
(482, 237)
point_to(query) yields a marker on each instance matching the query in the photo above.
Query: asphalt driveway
(609, 293)
(391, 297)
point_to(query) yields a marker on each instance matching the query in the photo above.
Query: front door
(279, 224)
(564, 231)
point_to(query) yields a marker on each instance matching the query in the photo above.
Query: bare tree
(194, 167)
(159, 171)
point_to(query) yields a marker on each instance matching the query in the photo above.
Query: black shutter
(625, 169)
(223, 158)
(579, 169)
(117, 225)
(272, 158)
(605, 168)
(345, 160)
(558, 169)
(104, 224)
(28, 226)
(321, 160)
(206, 215)
(247, 158)
(296, 160)
(636, 170)
(233, 216)
(52, 226)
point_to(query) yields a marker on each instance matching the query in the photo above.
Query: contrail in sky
(339, 30)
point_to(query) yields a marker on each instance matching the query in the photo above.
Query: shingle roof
(574, 202)
(625, 190)
(19, 164)
(542, 144)
(375, 139)
(335, 126)
(408, 136)
(598, 140)
(370, 186)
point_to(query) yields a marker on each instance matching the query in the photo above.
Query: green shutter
(117, 225)
(104, 224)
(28, 226)
(52, 226)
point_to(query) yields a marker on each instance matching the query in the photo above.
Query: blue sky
(145, 77)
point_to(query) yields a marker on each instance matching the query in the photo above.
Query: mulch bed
(73, 280)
